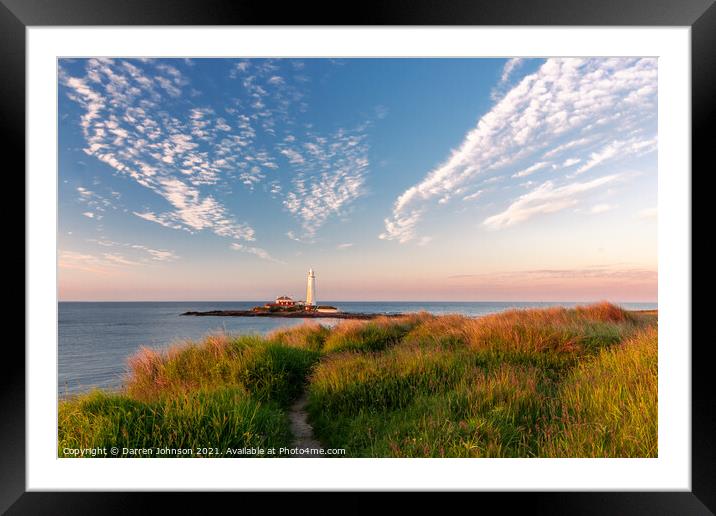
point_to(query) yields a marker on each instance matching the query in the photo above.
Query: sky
(395, 179)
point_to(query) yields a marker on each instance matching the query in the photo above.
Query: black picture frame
(699, 15)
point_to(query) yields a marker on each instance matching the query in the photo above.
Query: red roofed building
(285, 301)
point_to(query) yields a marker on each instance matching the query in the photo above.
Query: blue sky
(434, 179)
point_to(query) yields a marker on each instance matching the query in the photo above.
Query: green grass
(509, 385)
(267, 370)
(375, 335)
(607, 406)
(218, 419)
(522, 383)
(223, 393)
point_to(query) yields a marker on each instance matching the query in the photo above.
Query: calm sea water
(95, 339)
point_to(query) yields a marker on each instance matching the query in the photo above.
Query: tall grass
(309, 336)
(375, 335)
(265, 369)
(207, 422)
(607, 406)
(551, 382)
(347, 382)
(459, 386)
(556, 330)
(224, 392)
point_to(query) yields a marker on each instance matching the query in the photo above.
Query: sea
(95, 339)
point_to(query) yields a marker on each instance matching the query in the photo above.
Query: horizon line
(346, 301)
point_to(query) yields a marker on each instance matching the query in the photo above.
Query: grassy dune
(524, 383)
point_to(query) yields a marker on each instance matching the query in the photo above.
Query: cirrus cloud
(566, 105)
(546, 198)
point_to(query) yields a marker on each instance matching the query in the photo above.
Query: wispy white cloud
(131, 256)
(96, 203)
(345, 246)
(261, 253)
(473, 196)
(138, 121)
(141, 253)
(510, 66)
(127, 126)
(294, 157)
(239, 68)
(567, 104)
(329, 177)
(531, 169)
(83, 262)
(560, 149)
(402, 226)
(619, 148)
(102, 263)
(118, 259)
(159, 255)
(162, 220)
(612, 272)
(546, 198)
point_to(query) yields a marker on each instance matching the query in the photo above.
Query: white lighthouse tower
(311, 289)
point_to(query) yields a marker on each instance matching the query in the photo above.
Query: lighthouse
(311, 289)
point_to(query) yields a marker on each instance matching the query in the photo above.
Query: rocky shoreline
(298, 314)
(292, 315)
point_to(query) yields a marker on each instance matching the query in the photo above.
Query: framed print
(420, 250)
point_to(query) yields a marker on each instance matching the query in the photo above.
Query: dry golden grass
(493, 386)
(310, 335)
(553, 382)
(264, 368)
(608, 405)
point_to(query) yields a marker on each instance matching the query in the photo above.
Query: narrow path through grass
(301, 429)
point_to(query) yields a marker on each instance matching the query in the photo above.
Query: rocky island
(299, 314)
(284, 306)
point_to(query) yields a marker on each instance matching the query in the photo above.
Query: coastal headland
(538, 382)
(297, 314)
